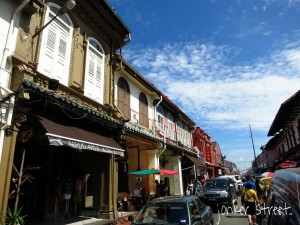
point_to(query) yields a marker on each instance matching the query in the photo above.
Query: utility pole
(253, 149)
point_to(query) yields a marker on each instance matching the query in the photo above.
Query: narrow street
(221, 216)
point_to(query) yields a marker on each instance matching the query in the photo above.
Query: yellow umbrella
(265, 182)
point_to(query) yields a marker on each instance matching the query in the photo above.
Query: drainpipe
(164, 144)
(5, 79)
(113, 84)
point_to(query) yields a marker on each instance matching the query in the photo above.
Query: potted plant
(14, 217)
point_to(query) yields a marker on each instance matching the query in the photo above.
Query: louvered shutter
(54, 60)
(127, 110)
(124, 103)
(144, 121)
(94, 74)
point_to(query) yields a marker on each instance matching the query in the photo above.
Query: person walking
(250, 197)
(157, 189)
(197, 186)
(190, 188)
(253, 187)
(202, 180)
(162, 188)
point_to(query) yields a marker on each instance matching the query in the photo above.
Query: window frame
(62, 36)
(143, 105)
(160, 118)
(124, 89)
(170, 133)
(96, 81)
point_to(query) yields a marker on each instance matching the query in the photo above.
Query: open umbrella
(145, 172)
(287, 164)
(168, 172)
(267, 174)
(154, 171)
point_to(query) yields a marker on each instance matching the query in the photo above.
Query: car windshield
(163, 213)
(220, 183)
(237, 177)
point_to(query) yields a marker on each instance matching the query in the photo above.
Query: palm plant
(14, 217)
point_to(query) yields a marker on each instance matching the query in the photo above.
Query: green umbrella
(145, 172)
(155, 171)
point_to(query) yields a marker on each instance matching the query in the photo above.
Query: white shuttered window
(54, 59)
(94, 73)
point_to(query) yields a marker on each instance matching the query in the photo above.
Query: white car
(238, 183)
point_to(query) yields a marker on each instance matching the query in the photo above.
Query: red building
(201, 140)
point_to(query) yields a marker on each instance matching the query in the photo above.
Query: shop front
(67, 162)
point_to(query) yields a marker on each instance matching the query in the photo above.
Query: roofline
(284, 113)
(113, 13)
(138, 76)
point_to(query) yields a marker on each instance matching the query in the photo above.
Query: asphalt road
(226, 216)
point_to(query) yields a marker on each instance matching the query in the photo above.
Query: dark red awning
(74, 137)
(199, 163)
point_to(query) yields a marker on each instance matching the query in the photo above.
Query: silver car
(187, 210)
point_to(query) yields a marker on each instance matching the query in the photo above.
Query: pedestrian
(197, 186)
(250, 197)
(157, 189)
(202, 180)
(167, 186)
(253, 187)
(162, 188)
(190, 188)
(259, 190)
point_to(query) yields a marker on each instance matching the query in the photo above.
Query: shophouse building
(176, 128)
(219, 168)
(82, 117)
(157, 134)
(65, 132)
(211, 152)
(282, 150)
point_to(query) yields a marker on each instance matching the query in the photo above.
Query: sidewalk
(83, 220)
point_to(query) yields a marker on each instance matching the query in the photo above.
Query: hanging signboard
(208, 154)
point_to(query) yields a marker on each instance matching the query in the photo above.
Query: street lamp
(69, 5)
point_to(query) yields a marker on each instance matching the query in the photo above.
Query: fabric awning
(211, 165)
(73, 137)
(197, 162)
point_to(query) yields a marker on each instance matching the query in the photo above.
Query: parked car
(282, 206)
(219, 191)
(174, 210)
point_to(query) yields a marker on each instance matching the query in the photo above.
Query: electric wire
(78, 118)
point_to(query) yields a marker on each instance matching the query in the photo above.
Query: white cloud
(201, 80)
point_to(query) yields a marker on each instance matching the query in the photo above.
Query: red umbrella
(287, 164)
(155, 171)
(168, 172)
(267, 174)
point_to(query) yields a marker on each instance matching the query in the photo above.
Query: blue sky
(225, 63)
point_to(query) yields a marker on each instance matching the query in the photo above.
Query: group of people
(250, 200)
(194, 186)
